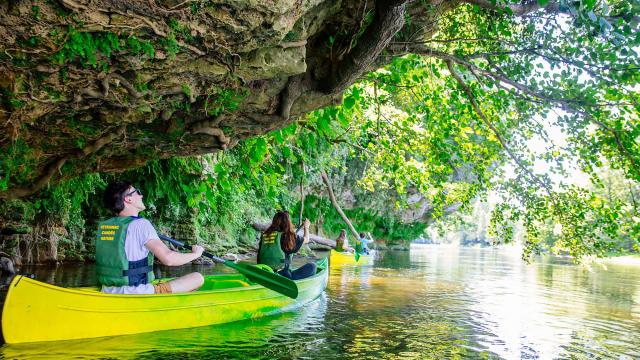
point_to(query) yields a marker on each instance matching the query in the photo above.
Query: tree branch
(493, 129)
(388, 20)
(569, 105)
(325, 179)
(526, 7)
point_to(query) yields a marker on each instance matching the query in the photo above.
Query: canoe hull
(339, 258)
(36, 311)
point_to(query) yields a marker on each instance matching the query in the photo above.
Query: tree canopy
(444, 117)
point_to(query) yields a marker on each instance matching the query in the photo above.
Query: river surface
(433, 302)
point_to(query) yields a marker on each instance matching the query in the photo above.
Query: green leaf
(323, 124)
(349, 102)
(589, 4)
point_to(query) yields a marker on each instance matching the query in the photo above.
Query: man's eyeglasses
(133, 192)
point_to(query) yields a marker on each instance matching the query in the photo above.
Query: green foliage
(64, 206)
(10, 100)
(65, 202)
(35, 12)
(224, 100)
(170, 44)
(95, 49)
(85, 128)
(138, 46)
(33, 41)
(17, 162)
(181, 30)
(186, 90)
(86, 47)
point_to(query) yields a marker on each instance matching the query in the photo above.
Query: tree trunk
(325, 178)
(301, 193)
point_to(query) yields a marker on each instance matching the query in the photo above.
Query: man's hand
(306, 223)
(197, 249)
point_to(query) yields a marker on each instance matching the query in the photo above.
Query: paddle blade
(357, 256)
(268, 279)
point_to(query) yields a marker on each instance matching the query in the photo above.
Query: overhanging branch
(388, 20)
(569, 105)
(494, 130)
(517, 9)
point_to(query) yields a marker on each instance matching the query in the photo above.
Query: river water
(433, 302)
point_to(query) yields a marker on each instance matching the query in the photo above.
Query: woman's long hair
(282, 223)
(340, 240)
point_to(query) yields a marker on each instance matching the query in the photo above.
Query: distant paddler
(363, 243)
(342, 244)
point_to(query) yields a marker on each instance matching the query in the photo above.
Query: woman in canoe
(341, 242)
(126, 245)
(278, 244)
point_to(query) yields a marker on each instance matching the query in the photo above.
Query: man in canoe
(279, 242)
(364, 241)
(126, 245)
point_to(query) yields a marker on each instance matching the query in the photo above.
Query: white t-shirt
(139, 232)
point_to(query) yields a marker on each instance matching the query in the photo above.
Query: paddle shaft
(187, 246)
(268, 279)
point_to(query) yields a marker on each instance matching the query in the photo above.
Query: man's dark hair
(361, 235)
(114, 195)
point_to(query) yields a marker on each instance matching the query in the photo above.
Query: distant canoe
(36, 311)
(343, 258)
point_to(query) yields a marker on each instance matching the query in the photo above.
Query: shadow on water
(430, 303)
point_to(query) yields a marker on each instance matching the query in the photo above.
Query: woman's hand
(305, 230)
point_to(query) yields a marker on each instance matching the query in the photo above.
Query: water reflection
(431, 303)
(549, 309)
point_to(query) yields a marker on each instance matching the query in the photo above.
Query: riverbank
(633, 259)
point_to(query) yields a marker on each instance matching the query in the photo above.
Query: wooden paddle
(268, 279)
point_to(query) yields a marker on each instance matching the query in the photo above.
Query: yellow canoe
(36, 311)
(343, 258)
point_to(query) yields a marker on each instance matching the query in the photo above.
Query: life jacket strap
(138, 271)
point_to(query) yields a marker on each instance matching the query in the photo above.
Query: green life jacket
(270, 252)
(359, 248)
(113, 267)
